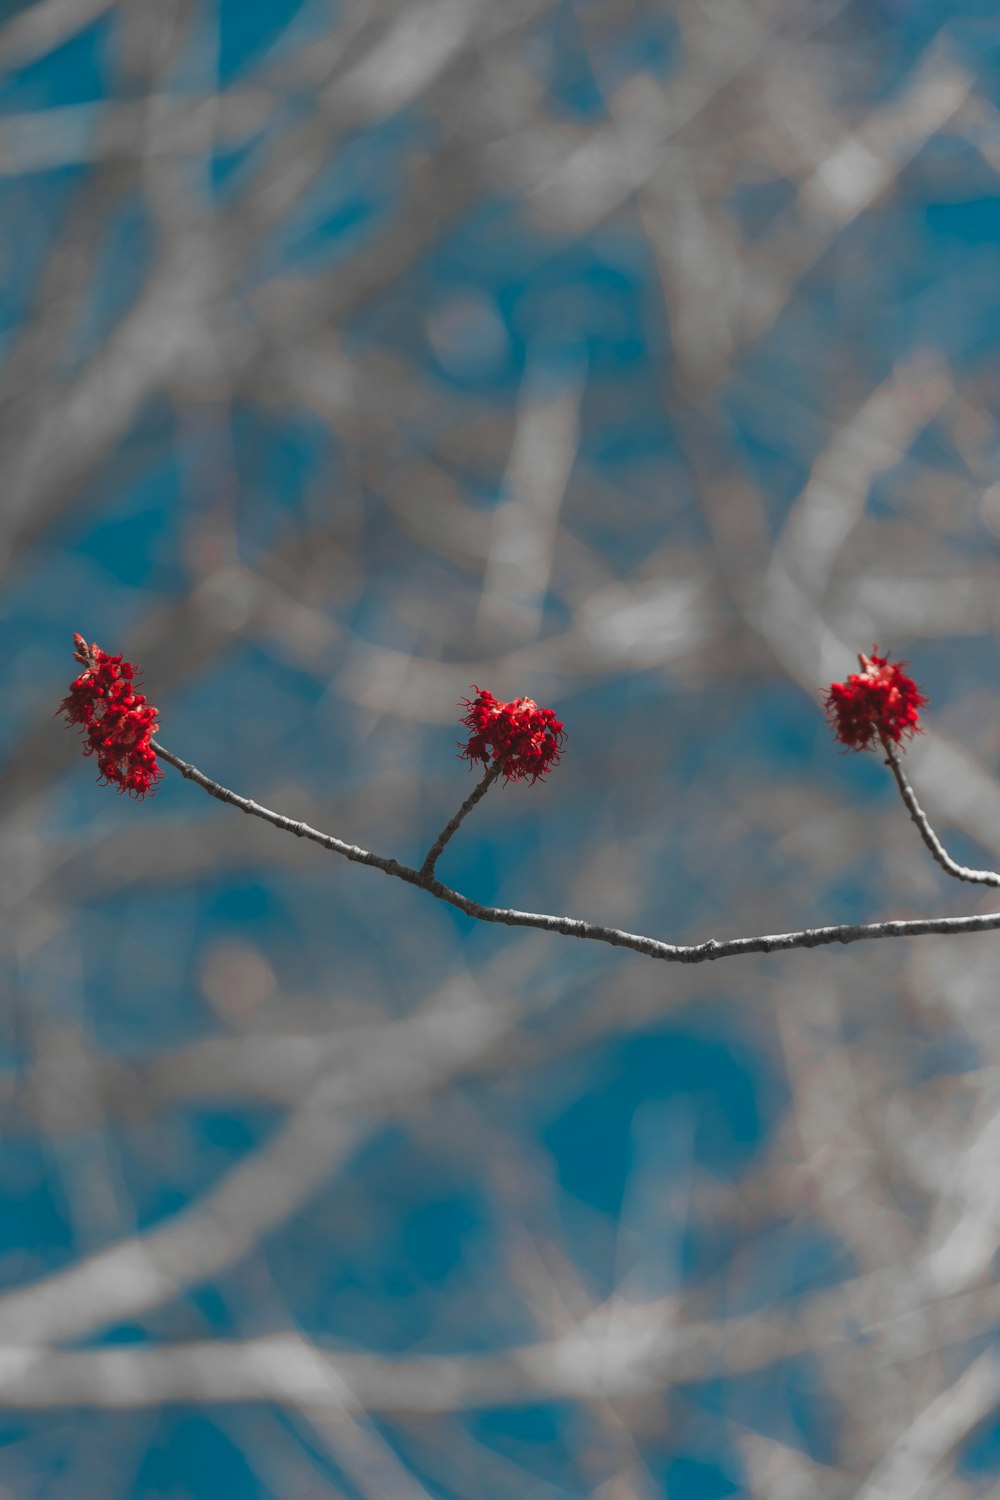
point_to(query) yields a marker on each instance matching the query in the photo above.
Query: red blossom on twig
(119, 723)
(523, 740)
(879, 702)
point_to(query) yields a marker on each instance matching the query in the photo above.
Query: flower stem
(436, 849)
(930, 838)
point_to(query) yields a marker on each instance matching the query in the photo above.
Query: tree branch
(930, 838)
(684, 953)
(435, 851)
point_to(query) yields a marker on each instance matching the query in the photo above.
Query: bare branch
(684, 953)
(450, 828)
(930, 838)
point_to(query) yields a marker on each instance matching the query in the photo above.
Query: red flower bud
(523, 739)
(118, 721)
(879, 702)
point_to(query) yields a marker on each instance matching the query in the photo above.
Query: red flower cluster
(118, 720)
(879, 702)
(522, 738)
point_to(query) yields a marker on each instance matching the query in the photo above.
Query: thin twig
(930, 838)
(683, 953)
(435, 851)
(288, 825)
